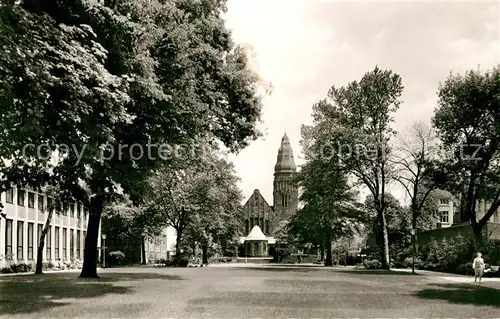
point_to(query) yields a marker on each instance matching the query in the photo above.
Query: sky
(305, 46)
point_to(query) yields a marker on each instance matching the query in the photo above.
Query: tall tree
(467, 120)
(416, 173)
(218, 199)
(171, 198)
(330, 211)
(103, 84)
(199, 199)
(129, 225)
(356, 120)
(398, 221)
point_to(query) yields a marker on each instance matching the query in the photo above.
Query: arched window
(284, 200)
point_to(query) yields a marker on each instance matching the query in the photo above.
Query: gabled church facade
(261, 220)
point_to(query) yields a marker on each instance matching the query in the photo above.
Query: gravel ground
(246, 292)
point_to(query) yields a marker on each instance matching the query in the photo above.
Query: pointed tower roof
(256, 234)
(285, 161)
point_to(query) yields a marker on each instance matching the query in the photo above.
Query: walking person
(478, 265)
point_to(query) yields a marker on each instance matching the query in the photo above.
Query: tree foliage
(354, 123)
(218, 198)
(199, 199)
(416, 171)
(467, 122)
(99, 78)
(330, 211)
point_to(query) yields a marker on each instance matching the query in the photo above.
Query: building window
(31, 200)
(49, 244)
(284, 200)
(71, 243)
(20, 197)
(30, 240)
(78, 244)
(8, 239)
(84, 239)
(65, 243)
(56, 244)
(65, 209)
(78, 211)
(443, 201)
(20, 237)
(72, 209)
(41, 203)
(444, 217)
(9, 196)
(39, 233)
(267, 227)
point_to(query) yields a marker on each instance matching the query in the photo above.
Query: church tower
(285, 190)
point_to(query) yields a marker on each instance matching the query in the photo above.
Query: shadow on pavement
(32, 293)
(299, 265)
(376, 272)
(115, 277)
(470, 294)
(278, 269)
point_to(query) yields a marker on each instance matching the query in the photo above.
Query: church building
(262, 220)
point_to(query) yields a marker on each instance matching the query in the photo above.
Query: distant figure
(478, 265)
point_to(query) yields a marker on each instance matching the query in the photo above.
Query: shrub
(371, 252)
(407, 263)
(6, 270)
(492, 252)
(161, 261)
(372, 264)
(18, 268)
(181, 261)
(116, 258)
(447, 254)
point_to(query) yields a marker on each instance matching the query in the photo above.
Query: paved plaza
(247, 292)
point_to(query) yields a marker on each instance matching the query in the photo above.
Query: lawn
(229, 292)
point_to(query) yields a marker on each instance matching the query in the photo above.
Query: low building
(446, 211)
(449, 211)
(24, 216)
(449, 223)
(256, 244)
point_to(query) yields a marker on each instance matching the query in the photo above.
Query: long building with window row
(23, 222)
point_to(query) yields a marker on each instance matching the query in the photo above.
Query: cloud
(304, 47)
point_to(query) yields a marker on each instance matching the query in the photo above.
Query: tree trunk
(414, 241)
(204, 249)
(89, 269)
(329, 261)
(384, 251)
(478, 238)
(178, 245)
(41, 245)
(143, 250)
